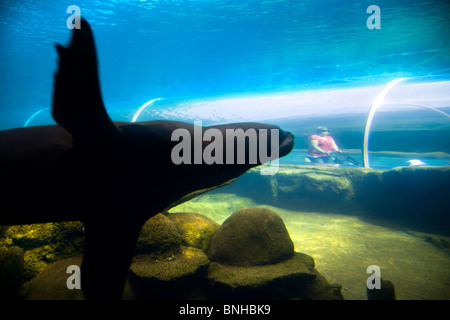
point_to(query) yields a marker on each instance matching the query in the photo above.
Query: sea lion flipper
(77, 101)
(109, 248)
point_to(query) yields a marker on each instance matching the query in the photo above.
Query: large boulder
(164, 266)
(249, 237)
(195, 229)
(159, 237)
(254, 257)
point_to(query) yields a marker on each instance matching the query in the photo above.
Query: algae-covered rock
(300, 266)
(195, 229)
(43, 244)
(37, 260)
(318, 289)
(159, 237)
(252, 236)
(294, 278)
(257, 260)
(11, 272)
(37, 235)
(316, 188)
(175, 278)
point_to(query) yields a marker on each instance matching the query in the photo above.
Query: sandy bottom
(344, 246)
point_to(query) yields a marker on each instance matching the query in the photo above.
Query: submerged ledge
(400, 153)
(417, 196)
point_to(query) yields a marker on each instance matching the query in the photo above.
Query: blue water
(151, 49)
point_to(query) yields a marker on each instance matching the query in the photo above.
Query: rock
(44, 244)
(36, 261)
(252, 236)
(51, 284)
(11, 272)
(196, 230)
(318, 289)
(326, 190)
(181, 265)
(257, 276)
(294, 278)
(159, 237)
(38, 235)
(173, 278)
(315, 188)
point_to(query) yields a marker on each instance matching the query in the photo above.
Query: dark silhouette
(112, 176)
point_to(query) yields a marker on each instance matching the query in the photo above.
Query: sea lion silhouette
(112, 176)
